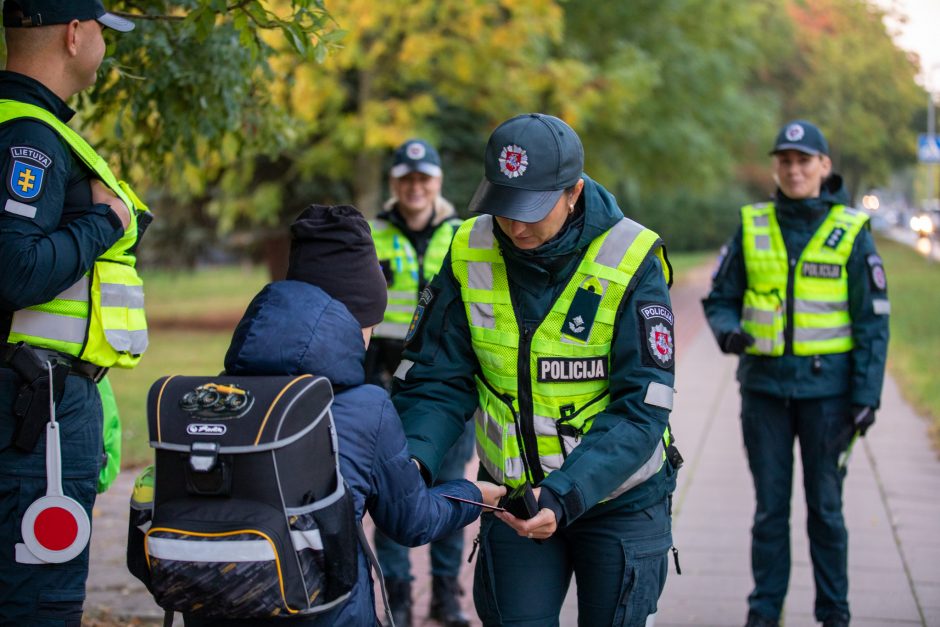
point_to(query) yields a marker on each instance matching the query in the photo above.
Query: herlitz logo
(204, 429)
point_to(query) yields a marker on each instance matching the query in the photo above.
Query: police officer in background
(412, 235)
(801, 296)
(70, 299)
(551, 314)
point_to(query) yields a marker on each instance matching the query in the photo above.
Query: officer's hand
(863, 417)
(736, 341)
(539, 527)
(101, 195)
(491, 492)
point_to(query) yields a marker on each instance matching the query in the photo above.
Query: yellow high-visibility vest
(407, 268)
(821, 320)
(100, 318)
(608, 266)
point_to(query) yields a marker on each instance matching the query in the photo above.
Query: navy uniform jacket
(49, 237)
(858, 373)
(438, 394)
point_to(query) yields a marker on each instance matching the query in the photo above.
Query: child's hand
(491, 492)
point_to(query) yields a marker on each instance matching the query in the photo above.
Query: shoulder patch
(26, 173)
(657, 334)
(876, 272)
(425, 298)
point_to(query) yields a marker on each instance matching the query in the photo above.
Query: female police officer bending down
(551, 314)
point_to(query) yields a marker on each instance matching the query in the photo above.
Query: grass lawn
(915, 340)
(203, 292)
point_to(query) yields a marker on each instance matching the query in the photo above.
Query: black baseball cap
(530, 160)
(415, 155)
(27, 13)
(802, 136)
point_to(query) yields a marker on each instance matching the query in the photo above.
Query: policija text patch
(657, 335)
(821, 270)
(571, 369)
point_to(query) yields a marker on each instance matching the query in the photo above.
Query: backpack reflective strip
(210, 550)
(306, 539)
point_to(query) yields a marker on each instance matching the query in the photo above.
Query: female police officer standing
(551, 314)
(801, 296)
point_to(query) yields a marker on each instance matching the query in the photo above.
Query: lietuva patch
(571, 369)
(657, 335)
(26, 173)
(425, 298)
(834, 237)
(821, 270)
(876, 271)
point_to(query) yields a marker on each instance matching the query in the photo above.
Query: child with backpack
(319, 322)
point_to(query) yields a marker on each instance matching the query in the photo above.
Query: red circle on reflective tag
(55, 528)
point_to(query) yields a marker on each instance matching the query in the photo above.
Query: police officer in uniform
(801, 296)
(412, 235)
(551, 314)
(71, 304)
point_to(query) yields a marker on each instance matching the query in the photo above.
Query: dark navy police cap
(25, 13)
(529, 161)
(802, 136)
(415, 155)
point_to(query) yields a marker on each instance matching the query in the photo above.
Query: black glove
(736, 341)
(863, 417)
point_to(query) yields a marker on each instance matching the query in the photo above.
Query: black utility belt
(41, 373)
(76, 366)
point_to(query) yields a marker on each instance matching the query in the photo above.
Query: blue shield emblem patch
(26, 173)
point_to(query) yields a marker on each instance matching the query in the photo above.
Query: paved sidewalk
(892, 507)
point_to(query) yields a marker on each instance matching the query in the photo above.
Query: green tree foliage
(445, 70)
(235, 114)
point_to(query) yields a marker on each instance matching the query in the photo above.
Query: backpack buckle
(208, 473)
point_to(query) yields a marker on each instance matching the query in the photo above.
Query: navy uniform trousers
(822, 425)
(43, 595)
(619, 560)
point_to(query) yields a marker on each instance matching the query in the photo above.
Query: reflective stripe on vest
(821, 320)
(408, 268)
(101, 317)
(560, 412)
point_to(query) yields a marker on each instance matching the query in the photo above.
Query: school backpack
(244, 513)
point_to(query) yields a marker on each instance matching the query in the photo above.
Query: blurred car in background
(923, 224)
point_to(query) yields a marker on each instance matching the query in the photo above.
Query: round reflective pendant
(55, 529)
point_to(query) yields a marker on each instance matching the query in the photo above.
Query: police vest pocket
(117, 334)
(763, 317)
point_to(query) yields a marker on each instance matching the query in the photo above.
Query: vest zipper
(526, 422)
(788, 330)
